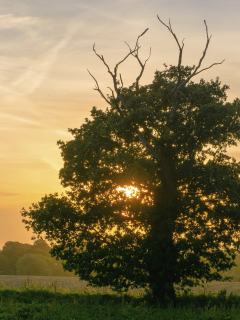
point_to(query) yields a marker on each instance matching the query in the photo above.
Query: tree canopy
(26, 259)
(33, 264)
(152, 196)
(13, 250)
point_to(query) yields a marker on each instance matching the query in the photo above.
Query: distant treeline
(34, 260)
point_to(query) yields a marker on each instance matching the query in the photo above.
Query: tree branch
(121, 80)
(149, 148)
(178, 84)
(98, 89)
(209, 67)
(137, 47)
(194, 73)
(157, 153)
(113, 74)
(112, 92)
(117, 87)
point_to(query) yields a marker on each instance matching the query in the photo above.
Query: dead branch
(121, 80)
(98, 88)
(142, 70)
(135, 55)
(209, 67)
(118, 85)
(113, 74)
(178, 84)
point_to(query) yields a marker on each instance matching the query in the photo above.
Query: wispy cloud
(9, 21)
(19, 119)
(34, 73)
(9, 194)
(53, 162)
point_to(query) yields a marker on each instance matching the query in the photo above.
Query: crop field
(18, 282)
(43, 298)
(65, 283)
(74, 284)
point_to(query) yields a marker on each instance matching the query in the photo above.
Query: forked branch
(98, 88)
(169, 27)
(114, 73)
(135, 55)
(180, 84)
(195, 72)
(118, 84)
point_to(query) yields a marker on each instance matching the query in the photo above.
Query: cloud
(52, 161)
(9, 194)
(35, 74)
(32, 79)
(19, 119)
(9, 21)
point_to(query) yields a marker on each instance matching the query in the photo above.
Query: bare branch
(179, 57)
(178, 84)
(117, 65)
(128, 46)
(195, 72)
(101, 58)
(143, 67)
(206, 29)
(209, 67)
(176, 87)
(143, 33)
(137, 47)
(113, 74)
(98, 89)
(170, 29)
(121, 79)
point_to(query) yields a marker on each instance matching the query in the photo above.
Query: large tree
(152, 196)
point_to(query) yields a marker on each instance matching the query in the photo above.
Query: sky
(45, 51)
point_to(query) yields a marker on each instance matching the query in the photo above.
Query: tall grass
(40, 302)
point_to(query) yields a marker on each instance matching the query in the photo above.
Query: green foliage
(33, 264)
(182, 227)
(44, 304)
(5, 267)
(13, 251)
(26, 259)
(40, 246)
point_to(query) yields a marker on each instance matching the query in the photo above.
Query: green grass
(38, 302)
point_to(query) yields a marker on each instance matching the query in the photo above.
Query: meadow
(23, 297)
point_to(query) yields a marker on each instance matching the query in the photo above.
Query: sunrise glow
(47, 47)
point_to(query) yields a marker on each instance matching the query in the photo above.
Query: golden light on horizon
(46, 89)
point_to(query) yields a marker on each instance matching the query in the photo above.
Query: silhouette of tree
(168, 140)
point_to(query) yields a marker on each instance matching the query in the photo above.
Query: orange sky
(46, 47)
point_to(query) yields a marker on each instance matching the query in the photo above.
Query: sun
(129, 191)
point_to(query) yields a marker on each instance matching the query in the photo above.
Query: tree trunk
(162, 271)
(163, 255)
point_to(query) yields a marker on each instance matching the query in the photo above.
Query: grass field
(39, 298)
